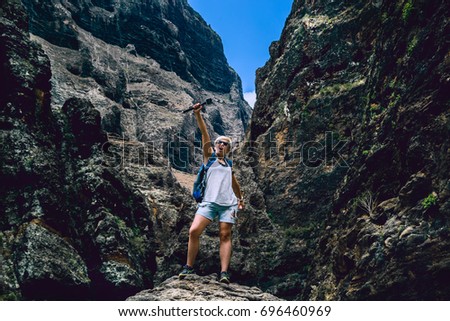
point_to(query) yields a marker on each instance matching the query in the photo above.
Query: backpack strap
(200, 182)
(211, 160)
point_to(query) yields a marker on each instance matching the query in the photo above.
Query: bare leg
(197, 227)
(225, 245)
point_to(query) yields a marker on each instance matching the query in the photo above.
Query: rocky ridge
(345, 167)
(141, 64)
(348, 146)
(169, 32)
(85, 214)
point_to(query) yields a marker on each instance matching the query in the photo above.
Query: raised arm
(206, 140)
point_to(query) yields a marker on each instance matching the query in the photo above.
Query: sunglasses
(222, 142)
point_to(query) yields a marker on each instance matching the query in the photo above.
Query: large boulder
(47, 266)
(201, 288)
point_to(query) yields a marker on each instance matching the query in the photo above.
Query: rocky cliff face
(168, 31)
(348, 144)
(140, 63)
(84, 213)
(345, 166)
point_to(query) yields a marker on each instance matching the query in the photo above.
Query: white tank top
(218, 185)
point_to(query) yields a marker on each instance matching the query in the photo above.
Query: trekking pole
(207, 102)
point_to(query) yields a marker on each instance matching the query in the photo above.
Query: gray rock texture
(73, 169)
(344, 167)
(47, 263)
(201, 288)
(348, 146)
(170, 32)
(141, 63)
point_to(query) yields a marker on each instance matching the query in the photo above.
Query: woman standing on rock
(222, 198)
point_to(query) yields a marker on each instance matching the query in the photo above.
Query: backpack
(200, 182)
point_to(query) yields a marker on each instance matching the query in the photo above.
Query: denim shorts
(227, 214)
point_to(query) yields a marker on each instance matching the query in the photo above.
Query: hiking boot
(224, 277)
(187, 270)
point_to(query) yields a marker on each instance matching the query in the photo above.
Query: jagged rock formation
(348, 144)
(345, 167)
(68, 224)
(86, 214)
(201, 288)
(140, 63)
(170, 32)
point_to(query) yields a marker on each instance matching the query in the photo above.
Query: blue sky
(247, 28)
